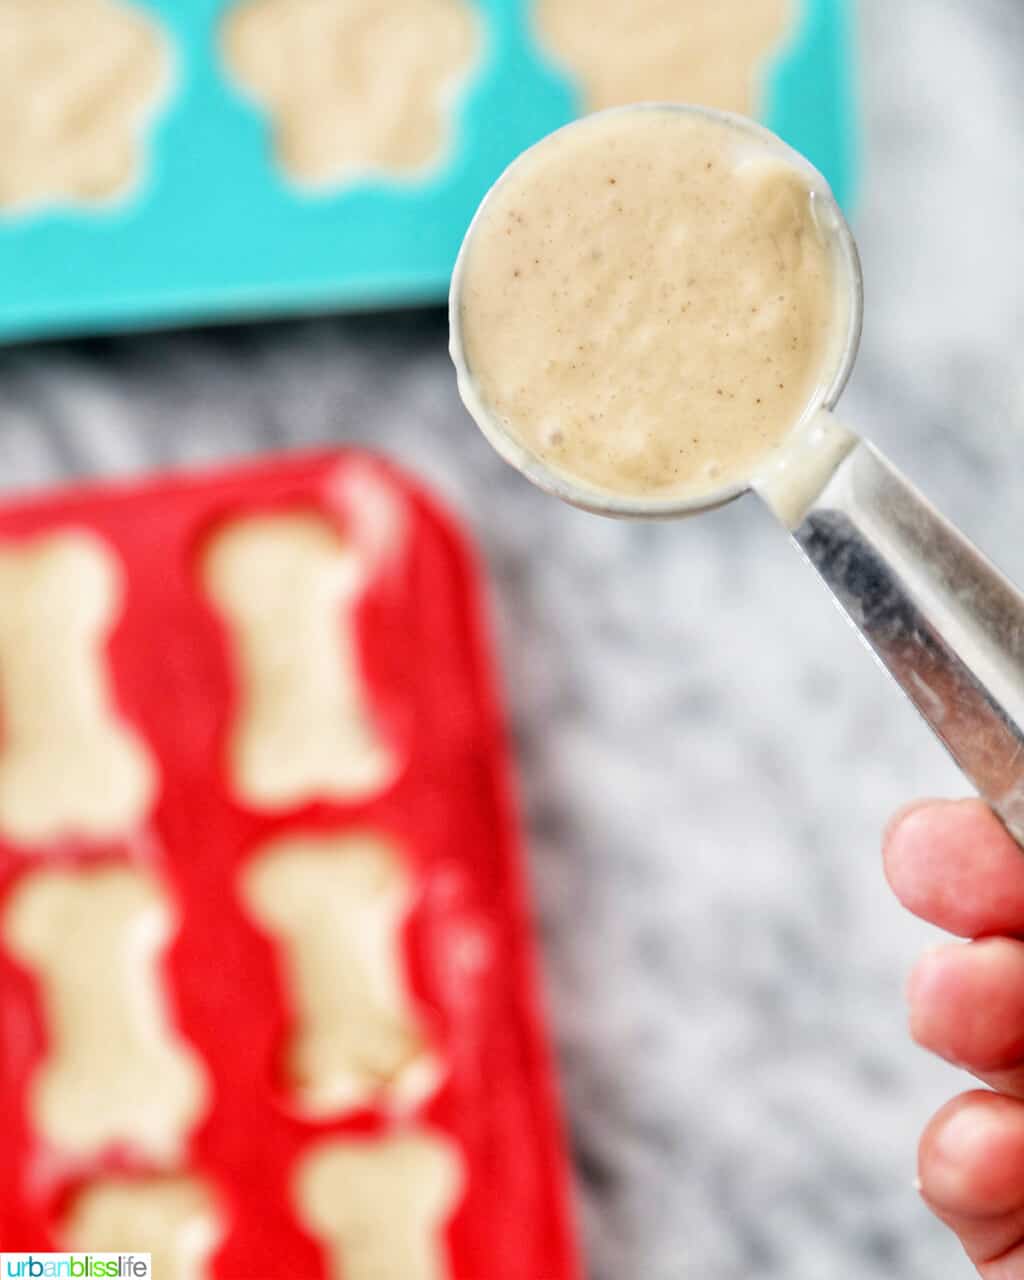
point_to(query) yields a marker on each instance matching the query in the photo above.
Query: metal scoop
(938, 616)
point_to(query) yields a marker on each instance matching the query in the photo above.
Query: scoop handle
(946, 624)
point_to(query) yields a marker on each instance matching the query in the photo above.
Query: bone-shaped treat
(68, 764)
(335, 906)
(287, 586)
(116, 1073)
(176, 1219)
(379, 1206)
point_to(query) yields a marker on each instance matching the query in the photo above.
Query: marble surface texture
(707, 756)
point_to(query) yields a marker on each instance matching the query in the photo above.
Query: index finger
(954, 864)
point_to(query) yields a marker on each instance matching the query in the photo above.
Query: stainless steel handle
(942, 620)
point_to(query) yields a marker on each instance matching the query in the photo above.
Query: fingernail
(958, 1150)
(908, 810)
(963, 1138)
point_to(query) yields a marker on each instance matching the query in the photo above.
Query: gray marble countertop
(707, 756)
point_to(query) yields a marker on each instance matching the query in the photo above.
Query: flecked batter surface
(647, 302)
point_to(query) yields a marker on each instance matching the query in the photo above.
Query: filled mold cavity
(117, 1075)
(626, 51)
(175, 1218)
(379, 1206)
(354, 88)
(80, 84)
(335, 907)
(70, 767)
(287, 587)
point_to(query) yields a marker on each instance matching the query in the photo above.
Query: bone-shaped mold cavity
(174, 1218)
(69, 766)
(116, 1073)
(703, 51)
(335, 907)
(79, 83)
(379, 1207)
(376, 89)
(287, 586)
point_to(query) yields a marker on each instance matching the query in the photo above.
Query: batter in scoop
(647, 302)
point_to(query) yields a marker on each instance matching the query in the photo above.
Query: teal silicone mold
(216, 232)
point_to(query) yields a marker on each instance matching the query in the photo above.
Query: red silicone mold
(449, 810)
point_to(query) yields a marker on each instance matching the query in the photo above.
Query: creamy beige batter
(647, 303)
(176, 1219)
(353, 86)
(709, 52)
(379, 1206)
(79, 83)
(287, 587)
(117, 1074)
(335, 906)
(69, 765)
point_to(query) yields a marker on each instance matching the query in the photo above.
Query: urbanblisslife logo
(76, 1266)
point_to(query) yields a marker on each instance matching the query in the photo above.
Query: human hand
(953, 864)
